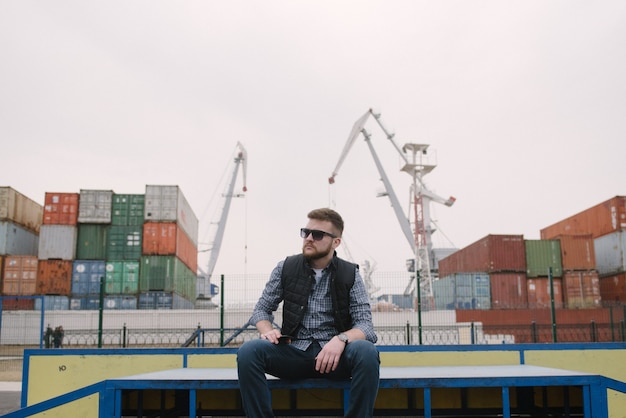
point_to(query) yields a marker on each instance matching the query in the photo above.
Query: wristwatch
(343, 337)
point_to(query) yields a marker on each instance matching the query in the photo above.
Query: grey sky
(524, 103)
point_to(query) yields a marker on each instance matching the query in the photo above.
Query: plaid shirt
(318, 322)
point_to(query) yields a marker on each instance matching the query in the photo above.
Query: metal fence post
(533, 331)
(408, 333)
(124, 336)
(472, 334)
(593, 331)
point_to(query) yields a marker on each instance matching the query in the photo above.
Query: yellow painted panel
(227, 399)
(50, 376)
(319, 398)
(440, 398)
(212, 360)
(484, 397)
(281, 399)
(86, 407)
(449, 358)
(394, 398)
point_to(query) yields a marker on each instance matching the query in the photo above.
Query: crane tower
(417, 166)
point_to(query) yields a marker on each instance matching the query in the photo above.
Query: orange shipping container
(493, 253)
(508, 290)
(167, 238)
(60, 209)
(601, 219)
(539, 293)
(613, 289)
(577, 252)
(581, 289)
(20, 275)
(54, 277)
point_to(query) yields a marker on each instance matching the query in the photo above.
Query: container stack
(606, 224)
(490, 273)
(20, 223)
(543, 256)
(581, 282)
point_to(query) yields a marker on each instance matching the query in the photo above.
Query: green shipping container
(124, 243)
(127, 209)
(541, 255)
(122, 278)
(168, 274)
(92, 242)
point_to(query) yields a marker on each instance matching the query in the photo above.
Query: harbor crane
(417, 166)
(240, 160)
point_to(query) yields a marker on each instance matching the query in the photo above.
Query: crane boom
(240, 160)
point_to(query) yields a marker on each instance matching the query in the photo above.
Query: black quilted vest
(297, 282)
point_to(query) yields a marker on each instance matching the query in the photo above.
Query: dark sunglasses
(315, 233)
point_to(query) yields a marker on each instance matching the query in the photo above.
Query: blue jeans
(360, 360)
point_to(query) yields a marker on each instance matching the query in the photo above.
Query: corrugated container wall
(127, 209)
(493, 253)
(167, 273)
(168, 204)
(163, 300)
(581, 289)
(53, 303)
(577, 252)
(613, 289)
(86, 275)
(167, 238)
(17, 240)
(94, 206)
(508, 290)
(122, 277)
(17, 208)
(54, 277)
(124, 242)
(57, 242)
(60, 208)
(92, 241)
(539, 293)
(611, 253)
(601, 219)
(541, 255)
(20, 275)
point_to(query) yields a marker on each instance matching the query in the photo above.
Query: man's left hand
(327, 360)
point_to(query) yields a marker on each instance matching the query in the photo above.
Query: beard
(317, 254)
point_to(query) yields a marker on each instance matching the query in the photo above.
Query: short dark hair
(327, 214)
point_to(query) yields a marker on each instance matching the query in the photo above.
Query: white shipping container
(168, 204)
(609, 250)
(16, 207)
(94, 206)
(17, 240)
(57, 242)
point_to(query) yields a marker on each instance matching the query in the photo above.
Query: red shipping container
(613, 289)
(581, 289)
(54, 277)
(20, 275)
(9, 304)
(60, 209)
(493, 253)
(168, 238)
(601, 219)
(508, 290)
(539, 293)
(577, 252)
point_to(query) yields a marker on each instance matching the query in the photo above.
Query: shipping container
(124, 242)
(493, 253)
(120, 302)
(60, 209)
(85, 303)
(613, 289)
(577, 252)
(508, 290)
(168, 204)
(92, 241)
(163, 300)
(54, 277)
(206, 289)
(168, 238)
(610, 253)
(17, 240)
(57, 242)
(122, 277)
(19, 209)
(541, 256)
(20, 275)
(86, 275)
(444, 293)
(18, 304)
(94, 206)
(127, 209)
(472, 291)
(539, 293)
(53, 303)
(599, 220)
(581, 289)
(168, 274)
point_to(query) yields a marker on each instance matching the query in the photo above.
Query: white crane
(240, 160)
(412, 154)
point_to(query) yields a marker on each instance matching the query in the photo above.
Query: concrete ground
(10, 396)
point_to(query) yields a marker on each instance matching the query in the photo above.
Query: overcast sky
(523, 104)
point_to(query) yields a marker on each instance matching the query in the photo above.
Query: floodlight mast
(420, 239)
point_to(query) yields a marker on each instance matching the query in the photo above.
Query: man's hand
(328, 359)
(271, 336)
